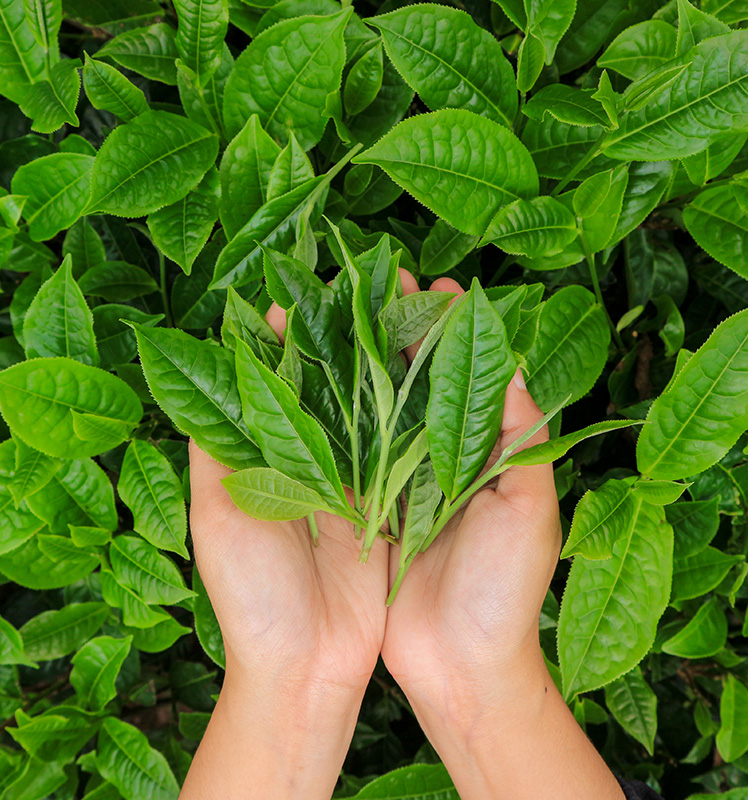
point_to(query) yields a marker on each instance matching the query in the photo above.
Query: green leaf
(704, 635)
(461, 166)
(39, 395)
(180, 230)
(86, 536)
(471, 369)
(713, 160)
(36, 781)
(117, 281)
(697, 574)
(694, 26)
(694, 524)
(200, 34)
(244, 174)
(546, 452)
(416, 782)
(601, 518)
(566, 104)
(732, 736)
(53, 634)
(241, 319)
(530, 62)
(597, 203)
(56, 189)
(444, 248)
(116, 339)
(647, 183)
(151, 489)
(206, 625)
(59, 322)
(305, 56)
(11, 645)
(640, 49)
(52, 737)
(84, 245)
(125, 758)
(21, 473)
(661, 493)
(442, 54)
(136, 173)
(47, 562)
(412, 316)
(728, 11)
(700, 417)
(135, 611)
(151, 52)
(139, 566)
(193, 305)
(704, 100)
(290, 440)
(549, 20)
(269, 494)
(364, 81)
(95, 669)
(51, 103)
(718, 223)
(316, 322)
(195, 384)
(610, 608)
(536, 228)
(158, 637)
(109, 90)
(79, 493)
(204, 105)
(291, 168)
(403, 469)
(633, 704)
(571, 347)
(21, 56)
(272, 225)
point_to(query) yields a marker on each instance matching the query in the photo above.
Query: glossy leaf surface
(95, 669)
(461, 166)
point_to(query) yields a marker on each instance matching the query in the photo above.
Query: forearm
(520, 742)
(273, 743)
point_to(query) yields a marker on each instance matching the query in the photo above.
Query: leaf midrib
(144, 472)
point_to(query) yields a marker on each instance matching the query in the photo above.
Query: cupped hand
(287, 609)
(467, 612)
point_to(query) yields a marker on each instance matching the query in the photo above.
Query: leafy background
(145, 147)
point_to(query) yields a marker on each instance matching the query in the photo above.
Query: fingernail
(519, 380)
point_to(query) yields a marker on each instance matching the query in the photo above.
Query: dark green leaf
(151, 52)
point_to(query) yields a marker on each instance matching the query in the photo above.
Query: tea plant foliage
(170, 169)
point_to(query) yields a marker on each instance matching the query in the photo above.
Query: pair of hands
(466, 616)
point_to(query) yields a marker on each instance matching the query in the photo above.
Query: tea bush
(586, 166)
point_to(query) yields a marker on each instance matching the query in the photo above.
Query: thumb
(520, 414)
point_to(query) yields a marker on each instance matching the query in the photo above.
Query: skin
(303, 628)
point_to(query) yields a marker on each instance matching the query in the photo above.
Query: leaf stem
(162, 288)
(580, 165)
(372, 526)
(401, 570)
(313, 529)
(353, 431)
(590, 258)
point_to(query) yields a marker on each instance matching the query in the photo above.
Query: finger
(276, 318)
(439, 285)
(408, 281)
(521, 413)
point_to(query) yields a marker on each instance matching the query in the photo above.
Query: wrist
(283, 739)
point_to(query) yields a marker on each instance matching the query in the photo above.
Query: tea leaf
(619, 599)
(40, 394)
(151, 52)
(632, 702)
(139, 566)
(699, 418)
(269, 494)
(640, 49)
(305, 56)
(443, 54)
(703, 636)
(59, 322)
(461, 166)
(471, 369)
(53, 634)
(109, 90)
(95, 669)
(135, 173)
(732, 736)
(201, 30)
